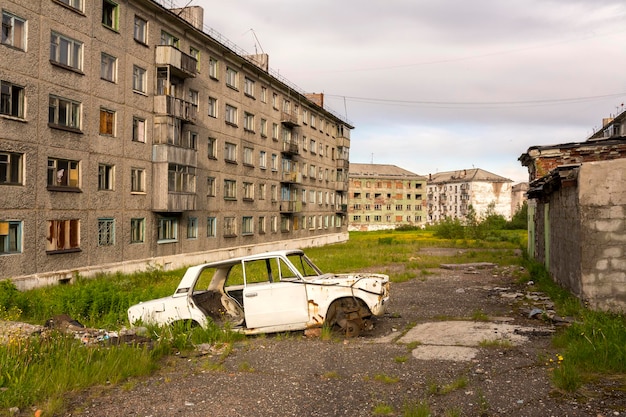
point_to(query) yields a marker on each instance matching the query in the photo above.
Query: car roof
(262, 255)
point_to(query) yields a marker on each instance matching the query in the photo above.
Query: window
(181, 178)
(66, 51)
(196, 54)
(230, 189)
(212, 107)
(247, 225)
(274, 191)
(107, 122)
(312, 147)
(190, 140)
(273, 224)
(210, 182)
(13, 31)
(230, 227)
(231, 78)
(261, 224)
(263, 128)
(264, 94)
(231, 115)
(63, 173)
(192, 228)
(64, 113)
(169, 39)
(248, 191)
(10, 168)
(230, 152)
(63, 235)
(140, 33)
(139, 129)
(139, 79)
(275, 101)
(274, 131)
(262, 191)
(137, 230)
(106, 232)
(75, 4)
(137, 180)
(167, 230)
(248, 87)
(211, 148)
(284, 223)
(10, 237)
(274, 162)
(248, 156)
(11, 99)
(108, 67)
(262, 159)
(211, 226)
(213, 68)
(110, 14)
(305, 116)
(105, 177)
(248, 121)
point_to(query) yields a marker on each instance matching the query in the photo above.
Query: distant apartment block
(132, 134)
(385, 197)
(450, 194)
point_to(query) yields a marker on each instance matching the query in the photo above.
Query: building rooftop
(466, 175)
(381, 171)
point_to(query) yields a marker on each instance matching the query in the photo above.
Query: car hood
(375, 283)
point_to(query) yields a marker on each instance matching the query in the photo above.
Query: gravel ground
(294, 375)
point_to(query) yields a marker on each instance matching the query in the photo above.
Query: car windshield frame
(304, 265)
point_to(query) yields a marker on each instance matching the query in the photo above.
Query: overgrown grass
(591, 346)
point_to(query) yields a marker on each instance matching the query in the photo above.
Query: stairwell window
(110, 14)
(66, 52)
(137, 180)
(13, 31)
(11, 99)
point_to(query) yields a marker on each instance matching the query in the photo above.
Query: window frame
(108, 67)
(106, 231)
(232, 78)
(139, 79)
(230, 115)
(12, 100)
(192, 228)
(106, 177)
(8, 37)
(211, 185)
(73, 113)
(230, 189)
(137, 180)
(211, 226)
(230, 226)
(248, 156)
(110, 15)
(107, 122)
(248, 87)
(12, 241)
(230, 152)
(247, 225)
(66, 230)
(213, 68)
(140, 31)
(139, 129)
(248, 191)
(65, 180)
(12, 166)
(167, 230)
(212, 148)
(212, 107)
(73, 58)
(137, 230)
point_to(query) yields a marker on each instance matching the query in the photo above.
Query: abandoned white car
(270, 292)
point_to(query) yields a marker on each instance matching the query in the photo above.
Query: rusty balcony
(291, 177)
(289, 118)
(291, 148)
(176, 107)
(183, 65)
(342, 163)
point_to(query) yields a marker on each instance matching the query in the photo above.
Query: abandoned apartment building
(131, 134)
(577, 214)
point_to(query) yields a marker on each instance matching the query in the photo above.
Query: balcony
(289, 118)
(176, 107)
(291, 177)
(343, 142)
(341, 186)
(342, 163)
(184, 65)
(290, 148)
(290, 207)
(342, 208)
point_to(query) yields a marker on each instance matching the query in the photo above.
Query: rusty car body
(270, 292)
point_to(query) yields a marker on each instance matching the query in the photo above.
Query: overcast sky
(442, 85)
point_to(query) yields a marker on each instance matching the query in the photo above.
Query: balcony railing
(342, 163)
(176, 107)
(185, 65)
(292, 177)
(291, 148)
(289, 118)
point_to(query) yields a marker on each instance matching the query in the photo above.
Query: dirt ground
(294, 375)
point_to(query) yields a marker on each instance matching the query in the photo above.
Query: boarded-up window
(107, 121)
(63, 235)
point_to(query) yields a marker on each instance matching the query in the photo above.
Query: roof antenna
(182, 9)
(257, 42)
